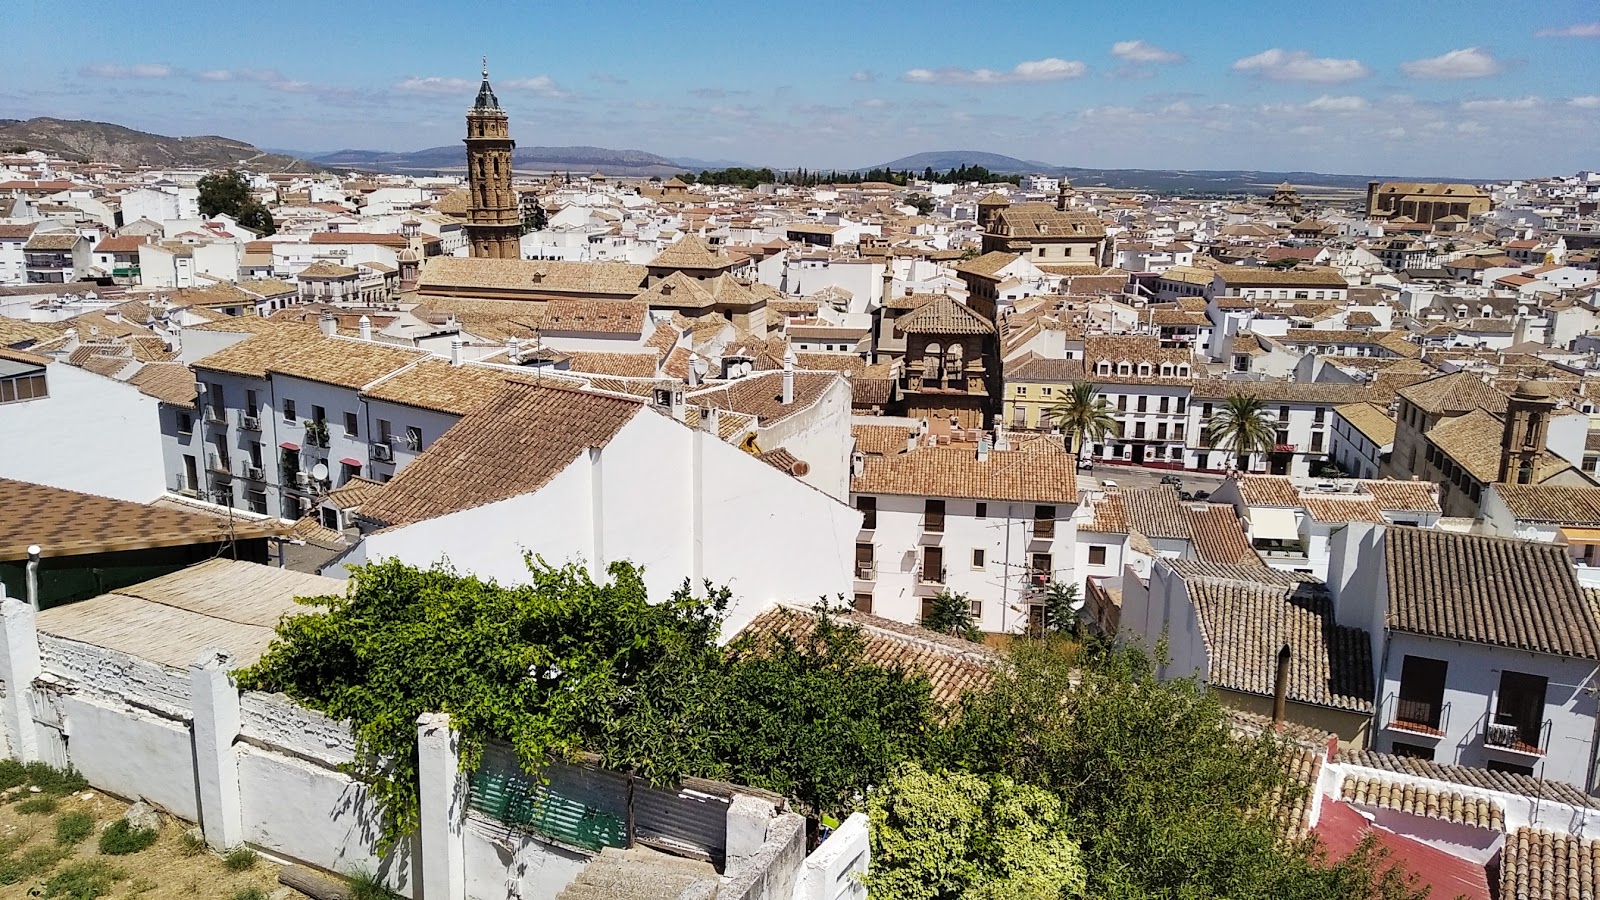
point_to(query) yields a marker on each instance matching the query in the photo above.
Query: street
(1142, 477)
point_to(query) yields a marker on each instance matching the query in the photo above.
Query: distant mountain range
(453, 159)
(103, 142)
(1167, 181)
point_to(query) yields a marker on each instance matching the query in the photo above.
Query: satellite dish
(701, 366)
(319, 471)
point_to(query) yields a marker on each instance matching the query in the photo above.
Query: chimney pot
(365, 326)
(328, 324)
(456, 347)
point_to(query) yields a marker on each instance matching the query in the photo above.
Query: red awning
(351, 461)
(289, 445)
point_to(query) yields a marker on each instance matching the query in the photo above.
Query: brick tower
(494, 223)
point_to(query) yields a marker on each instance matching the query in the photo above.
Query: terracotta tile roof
(53, 240)
(1456, 393)
(1218, 537)
(512, 446)
(599, 316)
(1155, 512)
(1505, 782)
(397, 241)
(1483, 590)
(1335, 510)
(1037, 368)
(1036, 470)
(1403, 496)
(493, 320)
(1266, 276)
(1551, 503)
(1245, 620)
(17, 232)
(1373, 421)
(1043, 220)
(533, 276)
(989, 264)
(1473, 441)
(1423, 800)
(69, 523)
(1109, 515)
(627, 365)
(127, 243)
(1542, 865)
(761, 394)
(690, 252)
(342, 361)
(943, 315)
(1267, 490)
(324, 269)
(883, 440)
(353, 493)
(951, 665)
(16, 331)
(437, 385)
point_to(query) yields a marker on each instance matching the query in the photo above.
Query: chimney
(328, 324)
(888, 277)
(788, 376)
(514, 351)
(456, 346)
(712, 420)
(1280, 688)
(983, 449)
(1001, 442)
(858, 463)
(911, 440)
(365, 326)
(33, 576)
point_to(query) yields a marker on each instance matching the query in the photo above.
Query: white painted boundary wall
(261, 770)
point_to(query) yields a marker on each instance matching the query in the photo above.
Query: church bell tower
(494, 222)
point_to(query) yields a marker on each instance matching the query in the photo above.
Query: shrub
(239, 859)
(36, 805)
(84, 881)
(50, 781)
(364, 885)
(73, 827)
(120, 838)
(34, 861)
(252, 892)
(193, 843)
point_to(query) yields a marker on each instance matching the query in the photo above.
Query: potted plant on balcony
(316, 433)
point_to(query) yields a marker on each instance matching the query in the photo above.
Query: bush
(253, 892)
(364, 885)
(120, 838)
(38, 804)
(50, 781)
(34, 861)
(239, 859)
(73, 827)
(84, 881)
(193, 843)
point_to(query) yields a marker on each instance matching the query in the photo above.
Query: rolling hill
(103, 142)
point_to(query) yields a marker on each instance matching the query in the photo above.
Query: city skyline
(1502, 90)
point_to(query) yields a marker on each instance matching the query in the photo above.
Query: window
(1122, 403)
(1164, 402)
(349, 472)
(255, 454)
(1421, 699)
(250, 407)
(1045, 391)
(1144, 403)
(185, 423)
(191, 474)
(1320, 415)
(1205, 410)
(1520, 703)
(1316, 442)
(1022, 390)
(413, 437)
(868, 507)
(257, 501)
(1411, 751)
(977, 557)
(352, 424)
(862, 603)
(866, 561)
(319, 415)
(933, 515)
(1042, 566)
(981, 511)
(1097, 555)
(976, 608)
(933, 565)
(288, 410)
(384, 432)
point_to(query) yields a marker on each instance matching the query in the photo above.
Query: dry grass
(163, 871)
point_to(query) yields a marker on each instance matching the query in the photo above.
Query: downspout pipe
(33, 576)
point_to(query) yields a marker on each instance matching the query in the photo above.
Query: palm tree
(1083, 413)
(1242, 425)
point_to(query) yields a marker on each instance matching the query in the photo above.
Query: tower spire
(486, 67)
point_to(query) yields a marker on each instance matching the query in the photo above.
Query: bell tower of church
(494, 222)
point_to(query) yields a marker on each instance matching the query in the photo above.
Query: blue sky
(1461, 88)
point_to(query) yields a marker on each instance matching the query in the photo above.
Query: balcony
(1512, 739)
(1420, 718)
(932, 529)
(866, 571)
(1044, 529)
(931, 576)
(1284, 448)
(216, 416)
(250, 423)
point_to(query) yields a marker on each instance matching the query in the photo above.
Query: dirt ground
(162, 871)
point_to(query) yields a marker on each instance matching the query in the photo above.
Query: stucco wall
(504, 863)
(131, 753)
(92, 434)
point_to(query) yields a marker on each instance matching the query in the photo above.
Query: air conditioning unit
(253, 473)
(302, 479)
(250, 423)
(1497, 735)
(382, 452)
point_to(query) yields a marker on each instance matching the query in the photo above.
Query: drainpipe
(1280, 691)
(33, 576)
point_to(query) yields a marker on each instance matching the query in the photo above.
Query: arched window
(932, 355)
(953, 368)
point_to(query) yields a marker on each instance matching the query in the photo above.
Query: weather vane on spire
(485, 68)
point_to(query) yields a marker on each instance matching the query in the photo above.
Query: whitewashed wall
(92, 434)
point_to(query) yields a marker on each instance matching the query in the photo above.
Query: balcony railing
(1513, 736)
(1044, 528)
(932, 575)
(1422, 716)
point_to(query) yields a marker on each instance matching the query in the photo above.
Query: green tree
(956, 836)
(1083, 413)
(923, 204)
(951, 613)
(228, 193)
(1243, 427)
(1061, 604)
(534, 218)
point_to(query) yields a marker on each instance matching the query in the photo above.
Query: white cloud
(1591, 101)
(543, 85)
(1470, 62)
(1051, 69)
(872, 103)
(137, 70)
(1337, 104)
(1141, 52)
(864, 76)
(1298, 65)
(1581, 30)
(216, 75)
(1501, 105)
(434, 84)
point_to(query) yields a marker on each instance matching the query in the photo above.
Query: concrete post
(442, 796)
(19, 666)
(216, 726)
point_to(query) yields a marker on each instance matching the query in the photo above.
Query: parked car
(1202, 495)
(1173, 480)
(1108, 483)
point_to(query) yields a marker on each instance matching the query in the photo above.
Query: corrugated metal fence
(585, 806)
